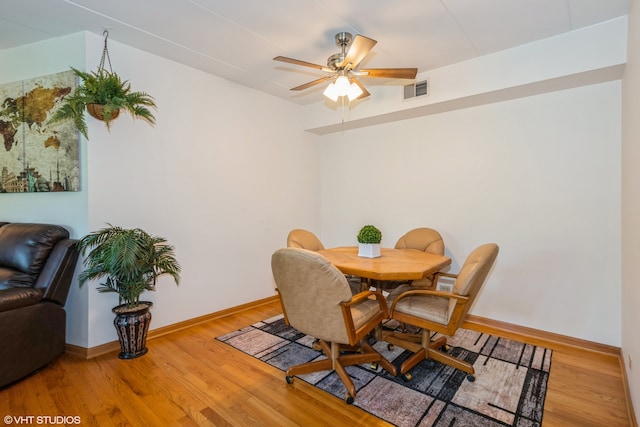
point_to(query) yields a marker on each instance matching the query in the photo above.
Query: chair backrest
(473, 274)
(311, 290)
(423, 239)
(304, 239)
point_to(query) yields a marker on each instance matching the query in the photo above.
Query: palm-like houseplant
(103, 94)
(131, 260)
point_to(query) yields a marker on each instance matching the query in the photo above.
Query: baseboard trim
(536, 336)
(91, 352)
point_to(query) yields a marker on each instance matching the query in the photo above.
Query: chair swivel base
(338, 362)
(430, 351)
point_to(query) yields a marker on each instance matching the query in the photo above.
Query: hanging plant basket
(103, 94)
(95, 111)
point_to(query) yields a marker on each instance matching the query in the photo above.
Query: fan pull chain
(105, 54)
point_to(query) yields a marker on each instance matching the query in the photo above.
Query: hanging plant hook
(105, 54)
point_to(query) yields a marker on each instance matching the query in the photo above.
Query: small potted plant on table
(131, 260)
(369, 238)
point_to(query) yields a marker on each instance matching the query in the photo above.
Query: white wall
(631, 206)
(538, 175)
(224, 175)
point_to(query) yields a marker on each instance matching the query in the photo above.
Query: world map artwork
(36, 157)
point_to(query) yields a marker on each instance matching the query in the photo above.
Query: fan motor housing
(335, 61)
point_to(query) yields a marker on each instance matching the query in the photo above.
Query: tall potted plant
(131, 260)
(369, 238)
(102, 94)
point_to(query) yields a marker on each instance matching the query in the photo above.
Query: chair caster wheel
(289, 379)
(349, 399)
(390, 347)
(374, 366)
(406, 377)
(371, 340)
(471, 378)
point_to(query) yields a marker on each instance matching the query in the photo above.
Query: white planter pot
(369, 250)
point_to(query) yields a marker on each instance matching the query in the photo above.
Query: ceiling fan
(343, 68)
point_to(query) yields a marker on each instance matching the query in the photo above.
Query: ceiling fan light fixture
(342, 84)
(342, 87)
(331, 92)
(354, 91)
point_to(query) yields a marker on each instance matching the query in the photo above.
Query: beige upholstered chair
(422, 239)
(437, 311)
(316, 301)
(426, 240)
(304, 239)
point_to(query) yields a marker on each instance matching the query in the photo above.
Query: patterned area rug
(509, 390)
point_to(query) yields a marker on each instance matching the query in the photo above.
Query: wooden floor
(190, 379)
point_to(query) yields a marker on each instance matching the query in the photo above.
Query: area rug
(509, 390)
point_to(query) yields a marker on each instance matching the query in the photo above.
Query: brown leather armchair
(37, 262)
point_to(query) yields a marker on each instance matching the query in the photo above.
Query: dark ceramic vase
(132, 326)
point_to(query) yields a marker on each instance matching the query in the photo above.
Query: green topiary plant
(107, 90)
(369, 234)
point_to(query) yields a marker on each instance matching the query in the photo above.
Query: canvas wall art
(36, 157)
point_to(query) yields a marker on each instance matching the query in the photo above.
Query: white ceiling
(237, 39)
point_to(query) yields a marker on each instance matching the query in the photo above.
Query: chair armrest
(356, 335)
(57, 274)
(363, 296)
(432, 292)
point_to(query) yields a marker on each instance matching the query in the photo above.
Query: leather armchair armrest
(56, 276)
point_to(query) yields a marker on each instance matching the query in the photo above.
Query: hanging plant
(103, 94)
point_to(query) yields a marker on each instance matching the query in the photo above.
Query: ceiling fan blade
(365, 92)
(360, 47)
(313, 83)
(303, 63)
(389, 73)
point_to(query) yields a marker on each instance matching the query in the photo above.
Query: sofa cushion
(25, 248)
(10, 278)
(14, 298)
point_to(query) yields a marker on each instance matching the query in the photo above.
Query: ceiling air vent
(416, 89)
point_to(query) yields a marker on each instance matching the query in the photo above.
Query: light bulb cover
(342, 85)
(354, 91)
(331, 92)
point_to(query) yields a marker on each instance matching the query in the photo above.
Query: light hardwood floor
(190, 379)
